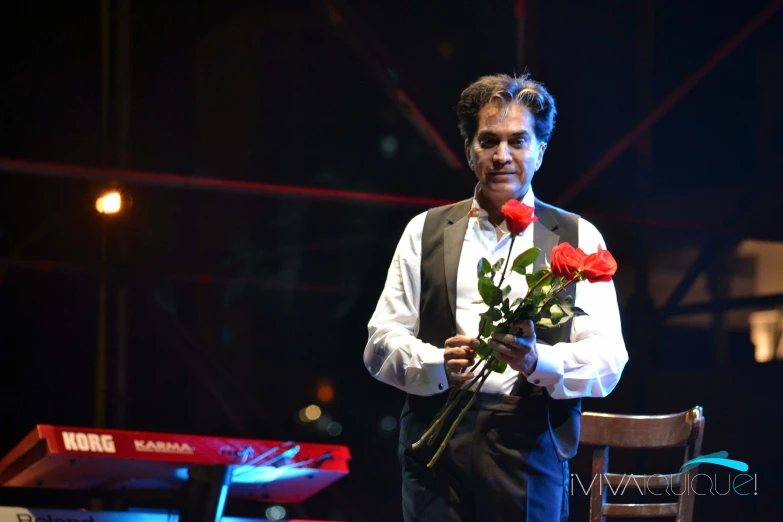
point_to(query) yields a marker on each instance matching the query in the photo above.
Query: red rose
(599, 267)
(567, 261)
(518, 216)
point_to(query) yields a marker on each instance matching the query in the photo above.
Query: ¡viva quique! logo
(739, 484)
(718, 458)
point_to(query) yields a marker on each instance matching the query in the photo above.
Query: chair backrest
(604, 431)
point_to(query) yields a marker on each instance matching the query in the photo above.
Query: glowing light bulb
(109, 203)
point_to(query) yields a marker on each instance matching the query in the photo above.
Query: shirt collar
(476, 211)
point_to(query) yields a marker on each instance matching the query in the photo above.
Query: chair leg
(597, 486)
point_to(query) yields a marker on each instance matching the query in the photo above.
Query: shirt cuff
(549, 368)
(433, 369)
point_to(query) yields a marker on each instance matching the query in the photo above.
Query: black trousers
(499, 466)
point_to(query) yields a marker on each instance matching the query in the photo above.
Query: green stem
(458, 420)
(554, 294)
(445, 412)
(530, 290)
(508, 258)
(457, 392)
(452, 395)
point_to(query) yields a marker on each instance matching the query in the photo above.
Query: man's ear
(541, 150)
(467, 154)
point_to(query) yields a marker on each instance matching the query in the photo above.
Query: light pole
(110, 205)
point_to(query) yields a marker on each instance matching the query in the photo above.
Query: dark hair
(522, 90)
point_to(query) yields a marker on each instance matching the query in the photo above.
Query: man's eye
(519, 141)
(484, 144)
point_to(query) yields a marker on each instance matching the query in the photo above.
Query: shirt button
(537, 381)
(440, 385)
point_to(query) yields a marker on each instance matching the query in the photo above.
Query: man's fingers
(526, 326)
(461, 340)
(504, 358)
(456, 376)
(458, 364)
(459, 353)
(502, 349)
(510, 343)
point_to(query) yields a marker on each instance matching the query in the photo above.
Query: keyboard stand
(205, 493)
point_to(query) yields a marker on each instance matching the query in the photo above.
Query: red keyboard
(86, 458)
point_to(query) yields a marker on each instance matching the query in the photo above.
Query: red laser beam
(665, 106)
(179, 181)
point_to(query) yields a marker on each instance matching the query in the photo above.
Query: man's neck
(494, 215)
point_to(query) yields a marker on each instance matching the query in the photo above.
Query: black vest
(441, 247)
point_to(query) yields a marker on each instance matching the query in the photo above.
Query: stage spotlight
(109, 203)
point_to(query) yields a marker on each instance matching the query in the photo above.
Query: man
(508, 459)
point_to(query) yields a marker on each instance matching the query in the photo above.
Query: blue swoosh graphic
(718, 458)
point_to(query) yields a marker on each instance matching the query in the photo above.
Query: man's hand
(458, 356)
(518, 351)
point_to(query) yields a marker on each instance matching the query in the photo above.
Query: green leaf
(502, 328)
(483, 350)
(488, 329)
(506, 291)
(491, 294)
(516, 302)
(537, 297)
(578, 311)
(535, 277)
(492, 314)
(477, 302)
(555, 313)
(484, 267)
(545, 323)
(498, 266)
(505, 328)
(566, 305)
(570, 310)
(526, 311)
(525, 259)
(505, 308)
(498, 366)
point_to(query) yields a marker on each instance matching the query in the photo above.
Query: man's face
(505, 153)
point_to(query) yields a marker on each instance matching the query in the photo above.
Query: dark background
(275, 92)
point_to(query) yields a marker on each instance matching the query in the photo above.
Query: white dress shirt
(588, 366)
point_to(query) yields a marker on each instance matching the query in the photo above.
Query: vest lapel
(545, 235)
(453, 237)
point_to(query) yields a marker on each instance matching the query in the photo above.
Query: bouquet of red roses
(541, 305)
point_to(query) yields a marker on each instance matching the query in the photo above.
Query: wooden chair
(604, 430)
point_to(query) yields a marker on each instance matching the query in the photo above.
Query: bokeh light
(310, 413)
(275, 512)
(388, 423)
(325, 392)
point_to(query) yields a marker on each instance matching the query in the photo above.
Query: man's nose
(503, 153)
